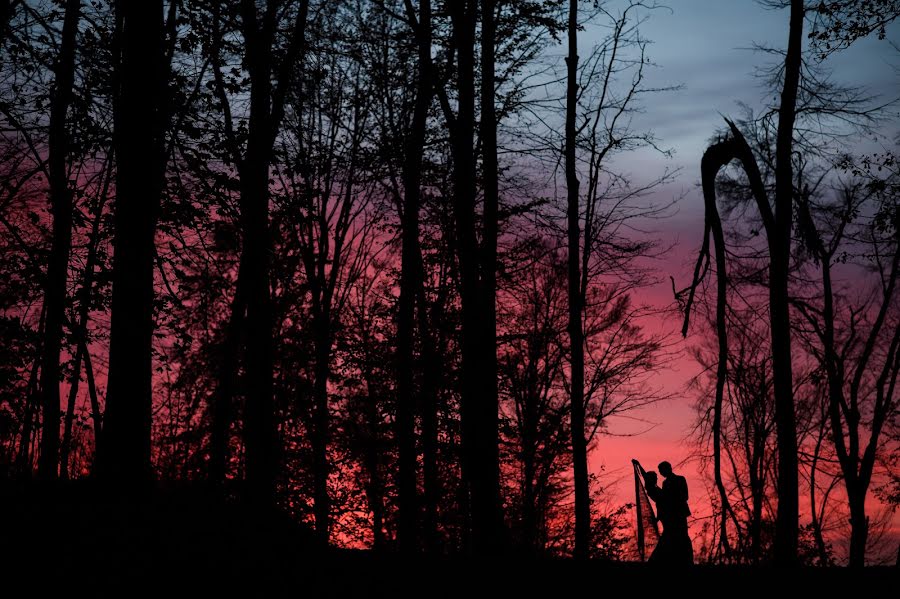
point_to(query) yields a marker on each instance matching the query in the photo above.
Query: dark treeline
(377, 263)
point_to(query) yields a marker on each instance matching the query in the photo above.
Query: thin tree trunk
(410, 281)
(58, 264)
(787, 517)
(321, 433)
(431, 368)
(372, 455)
(835, 400)
(96, 414)
(529, 500)
(221, 410)
(75, 383)
(489, 424)
(84, 308)
(715, 158)
(463, 26)
(576, 331)
(757, 491)
(23, 459)
(813, 506)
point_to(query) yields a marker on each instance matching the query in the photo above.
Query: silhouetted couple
(674, 547)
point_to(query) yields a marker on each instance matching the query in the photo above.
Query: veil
(645, 519)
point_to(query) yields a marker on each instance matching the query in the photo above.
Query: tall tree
(270, 77)
(576, 331)
(489, 506)
(82, 352)
(58, 263)
(777, 224)
(411, 277)
(333, 233)
(533, 311)
(861, 362)
(477, 396)
(221, 409)
(142, 114)
(601, 93)
(779, 240)
(714, 159)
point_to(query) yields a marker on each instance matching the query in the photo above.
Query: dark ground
(182, 541)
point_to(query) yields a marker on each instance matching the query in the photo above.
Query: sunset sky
(308, 278)
(706, 46)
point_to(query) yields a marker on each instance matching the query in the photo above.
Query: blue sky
(706, 46)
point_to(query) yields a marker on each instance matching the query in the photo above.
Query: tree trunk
(410, 281)
(431, 375)
(758, 497)
(58, 263)
(84, 309)
(222, 409)
(24, 463)
(259, 412)
(787, 517)
(490, 508)
(372, 456)
(321, 422)
(74, 384)
(405, 420)
(529, 500)
(96, 414)
(266, 112)
(813, 506)
(859, 525)
(576, 331)
(463, 25)
(715, 157)
(141, 120)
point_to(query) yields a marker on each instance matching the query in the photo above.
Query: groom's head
(665, 468)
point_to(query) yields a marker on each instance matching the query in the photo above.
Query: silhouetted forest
(287, 275)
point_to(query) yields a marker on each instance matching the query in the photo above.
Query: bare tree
(479, 416)
(410, 273)
(270, 76)
(58, 264)
(776, 207)
(601, 264)
(532, 356)
(859, 355)
(576, 340)
(329, 187)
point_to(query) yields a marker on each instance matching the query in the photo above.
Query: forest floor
(68, 536)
